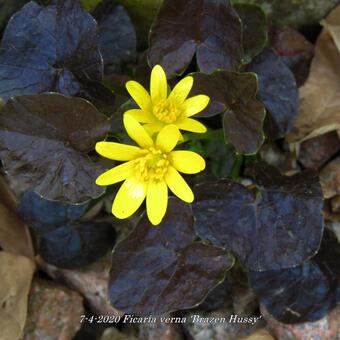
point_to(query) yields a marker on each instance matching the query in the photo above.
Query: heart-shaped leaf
(76, 245)
(211, 29)
(255, 28)
(267, 231)
(157, 270)
(49, 48)
(277, 91)
(117, 40)
(235, 94)
(44, 141)
(305, 293)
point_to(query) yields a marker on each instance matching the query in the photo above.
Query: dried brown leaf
(319, 98)
(14, 235)
(7, 197)
(332, 23)
(16, 274)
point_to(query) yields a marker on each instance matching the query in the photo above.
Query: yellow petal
(167, 138)
(158, 84)
(152, 128)
(178, 185)
(141, 116)
(116, 174)
(191, 125)
(156, 201)
(181, 90)
(117, 151)
(195, 104)
(137, 132)
(139, 94)
(187, 162)
(129, 198)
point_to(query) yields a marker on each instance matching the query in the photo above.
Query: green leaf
(220, 157)
(90, 5)
(7, 8)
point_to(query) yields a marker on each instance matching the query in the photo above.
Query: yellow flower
(149, 170)
(158, 109)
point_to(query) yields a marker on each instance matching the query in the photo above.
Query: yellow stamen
(152, 165)
(166, 111)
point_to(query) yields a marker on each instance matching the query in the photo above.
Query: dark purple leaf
(44, 141)
(157, 270)
(99, 95)
(209, 28)
(266, 231)
(300, 294)
(76, 245)
(294, 50)
(49, 48)
(219, 297)
(255, 28)
(117, 40)
(305, 293)
(329, 254)
(277, 91)
(41, 214)
(235, 94)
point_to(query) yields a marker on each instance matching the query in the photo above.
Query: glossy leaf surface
(234, 94)
(305, 293)
(277, 91)
(210, 29)
(44, 141)
(117, 40)
(156, 270)
(49, 48)
(76, 245)
(266, 231)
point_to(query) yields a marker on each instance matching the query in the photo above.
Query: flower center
(152, 165)
(166, 111)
